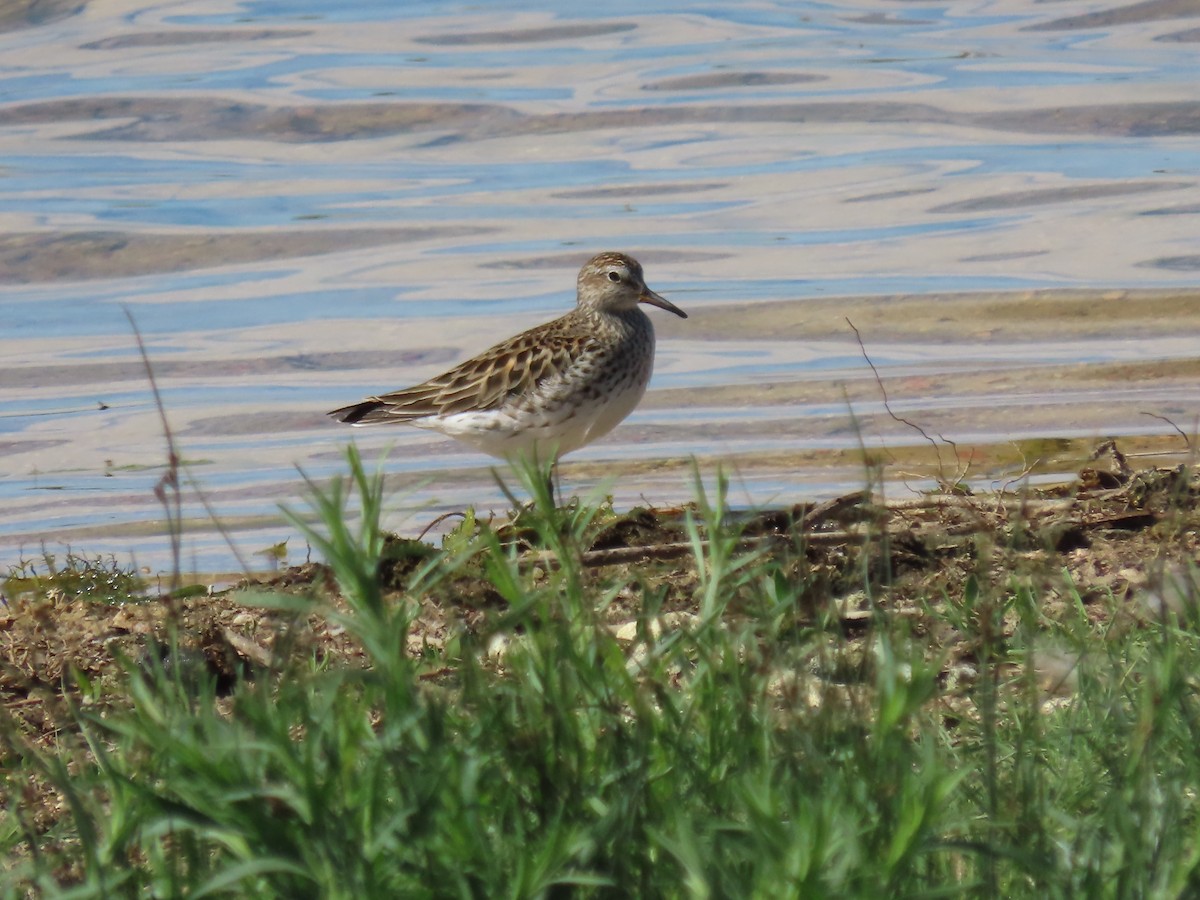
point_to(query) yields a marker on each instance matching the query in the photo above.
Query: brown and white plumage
(549, 390)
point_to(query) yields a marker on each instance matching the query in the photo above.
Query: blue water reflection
(751, 154)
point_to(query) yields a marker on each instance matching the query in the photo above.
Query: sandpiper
(549, 390)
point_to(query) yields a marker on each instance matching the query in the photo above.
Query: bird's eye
(613, 276)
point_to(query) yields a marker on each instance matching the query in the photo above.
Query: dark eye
(613, 276)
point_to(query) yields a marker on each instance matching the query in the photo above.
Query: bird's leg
(548, 465)
(540, 476)
(555, 485)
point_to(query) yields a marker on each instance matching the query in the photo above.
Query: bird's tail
(366, 413)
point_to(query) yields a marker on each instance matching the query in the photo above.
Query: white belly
(551, 429)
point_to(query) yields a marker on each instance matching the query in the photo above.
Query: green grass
(747, 750)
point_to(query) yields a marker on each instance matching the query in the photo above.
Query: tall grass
(748, 749)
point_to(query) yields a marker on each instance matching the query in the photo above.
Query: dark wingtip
(355, 413)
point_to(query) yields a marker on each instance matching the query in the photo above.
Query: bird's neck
(631, 316)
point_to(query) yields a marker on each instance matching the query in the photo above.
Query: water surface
(300, 205)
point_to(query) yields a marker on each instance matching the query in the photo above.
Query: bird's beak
(648, 296)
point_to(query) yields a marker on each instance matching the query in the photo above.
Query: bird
(549, 390)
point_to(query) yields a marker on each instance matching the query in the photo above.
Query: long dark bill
(648, 296)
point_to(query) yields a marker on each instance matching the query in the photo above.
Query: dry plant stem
(167, 490)
(834, 507)
(1187, 441)
(1019, 478)
(677, 550)
(438, 521)
(898, 418)
(170, 480)
(1006, 503)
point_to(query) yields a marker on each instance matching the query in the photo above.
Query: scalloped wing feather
(516, 367)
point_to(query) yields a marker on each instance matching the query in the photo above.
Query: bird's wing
(513, 368)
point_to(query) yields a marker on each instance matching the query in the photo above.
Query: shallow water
(301, 205)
